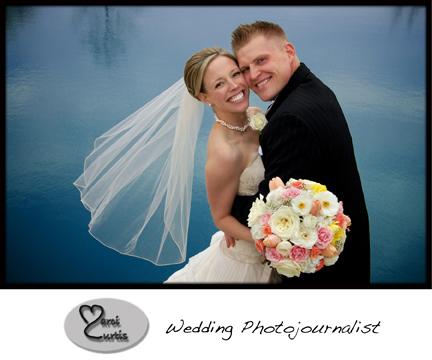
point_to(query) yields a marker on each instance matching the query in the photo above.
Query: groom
(307, 137)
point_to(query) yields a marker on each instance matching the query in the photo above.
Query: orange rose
(316, 207)
(267, 230)
(259, 245)
(314, 252)
(298, 184)
(320, 265)
(329, 251)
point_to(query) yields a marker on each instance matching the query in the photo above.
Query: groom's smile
(260, 84)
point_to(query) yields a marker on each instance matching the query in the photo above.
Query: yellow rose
(314, 186)
(317, 188)
(339, 244)
(339, 237)
(337, 231)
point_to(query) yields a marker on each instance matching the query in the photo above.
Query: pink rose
(291, 193)
(272, 241)
(265, 219)
(325, 236)
(299, 253)
(273, 255)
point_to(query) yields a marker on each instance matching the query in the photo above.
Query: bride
(137, 182)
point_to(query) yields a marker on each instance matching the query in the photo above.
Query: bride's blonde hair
(196, 67)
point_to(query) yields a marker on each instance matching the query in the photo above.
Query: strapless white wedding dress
(220, 264)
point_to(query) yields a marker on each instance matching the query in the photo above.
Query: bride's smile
(238, 97)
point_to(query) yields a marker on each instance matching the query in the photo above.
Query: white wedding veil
(137, 181)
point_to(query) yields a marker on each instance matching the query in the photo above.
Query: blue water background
(74, 72)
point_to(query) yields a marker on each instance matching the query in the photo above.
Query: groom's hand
(230, 241)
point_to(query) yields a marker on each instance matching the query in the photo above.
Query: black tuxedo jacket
(307, 137)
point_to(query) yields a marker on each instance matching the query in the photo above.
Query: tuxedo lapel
(296, 79)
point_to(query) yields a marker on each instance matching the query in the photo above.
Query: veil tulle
(137, 181)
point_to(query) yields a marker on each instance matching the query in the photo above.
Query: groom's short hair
(244, 32)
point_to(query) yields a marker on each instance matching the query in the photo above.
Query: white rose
(309, 265)
(305, 237)
(310, 222)
(324, 221)
(256, 232)
(285, 223)
(287, 267)
(258, 209)
(275, 198)
(329, 203)
(257, 121)
(284, 247)
(331, 260)
(302, 204)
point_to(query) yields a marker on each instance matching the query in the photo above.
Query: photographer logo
(106, 325)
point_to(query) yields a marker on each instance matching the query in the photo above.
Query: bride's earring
(211, 105)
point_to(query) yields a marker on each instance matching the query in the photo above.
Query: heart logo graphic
(93, 310)
(106, 325)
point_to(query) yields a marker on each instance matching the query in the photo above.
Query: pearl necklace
(232, 127)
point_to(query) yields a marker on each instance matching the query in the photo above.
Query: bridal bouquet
(300, 227)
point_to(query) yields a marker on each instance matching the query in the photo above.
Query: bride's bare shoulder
(221, 153)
